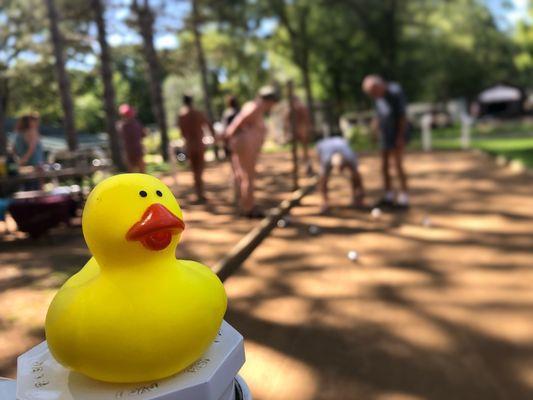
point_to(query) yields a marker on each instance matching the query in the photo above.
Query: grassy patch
(520, 149)
(153, 168)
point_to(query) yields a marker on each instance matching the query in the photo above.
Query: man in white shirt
(336, 152)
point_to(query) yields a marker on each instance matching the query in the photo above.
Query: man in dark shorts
(391, 106)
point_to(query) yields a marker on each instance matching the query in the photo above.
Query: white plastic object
(40, 377)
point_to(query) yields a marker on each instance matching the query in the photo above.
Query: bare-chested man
(246, 134)
(302, 121)
(192, 123)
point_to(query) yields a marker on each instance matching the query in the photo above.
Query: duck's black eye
(158, 192)
(142, 193)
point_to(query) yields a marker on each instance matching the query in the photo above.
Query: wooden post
(242, 250)
(426, 122)
(106, 71)
(466, 127)
(294, 142)
(3, 106)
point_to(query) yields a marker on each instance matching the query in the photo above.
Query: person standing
(132, 133)
(229, 114)
(303, 127)
(28, 148)
(192, 123)
(231, 111)
(391, 106)
(246, 135)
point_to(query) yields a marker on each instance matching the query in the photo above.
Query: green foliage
(27, 64)
(133, 88)
(30, 90)
(436, 49)
(237, 63)
(174, 88)
(89, 113)
(524, 41)
(361, 139)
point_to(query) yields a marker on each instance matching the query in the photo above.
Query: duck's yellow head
(131, 218)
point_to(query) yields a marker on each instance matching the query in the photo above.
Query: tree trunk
(294, 139)
(62, 76)
(391, 22)
(3, 108)
(300, 54)
(304, 50)
(145, 19)
(203, 66)
(109, 90)
(201, 59)
(304, 68)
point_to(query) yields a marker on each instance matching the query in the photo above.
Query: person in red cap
(132, 134)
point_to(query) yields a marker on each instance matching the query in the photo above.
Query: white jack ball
(376, 213)
(314, 230)
(282, 223)
(352, 255)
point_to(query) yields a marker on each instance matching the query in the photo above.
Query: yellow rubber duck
(134, 313)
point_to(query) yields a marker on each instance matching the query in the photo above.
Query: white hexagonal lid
(41, 377)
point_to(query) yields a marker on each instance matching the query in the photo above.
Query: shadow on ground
(431, 310)
(437, 306)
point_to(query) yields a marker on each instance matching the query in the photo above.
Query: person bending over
(336, 152)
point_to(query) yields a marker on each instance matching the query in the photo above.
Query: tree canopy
(437, 49)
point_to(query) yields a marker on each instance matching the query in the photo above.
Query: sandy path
(438, 312)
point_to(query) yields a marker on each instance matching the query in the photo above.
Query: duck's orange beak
(156, 227)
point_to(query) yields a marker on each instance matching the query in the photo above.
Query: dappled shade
(434, 310)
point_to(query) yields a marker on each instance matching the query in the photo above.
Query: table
(11, 183)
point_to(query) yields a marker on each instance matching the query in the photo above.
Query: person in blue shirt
(391, 106)
(28, 147)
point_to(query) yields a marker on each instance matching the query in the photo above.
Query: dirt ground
(439, 304)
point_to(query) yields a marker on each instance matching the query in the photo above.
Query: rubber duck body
(134, 313)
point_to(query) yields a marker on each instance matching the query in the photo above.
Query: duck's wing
(84, 275)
